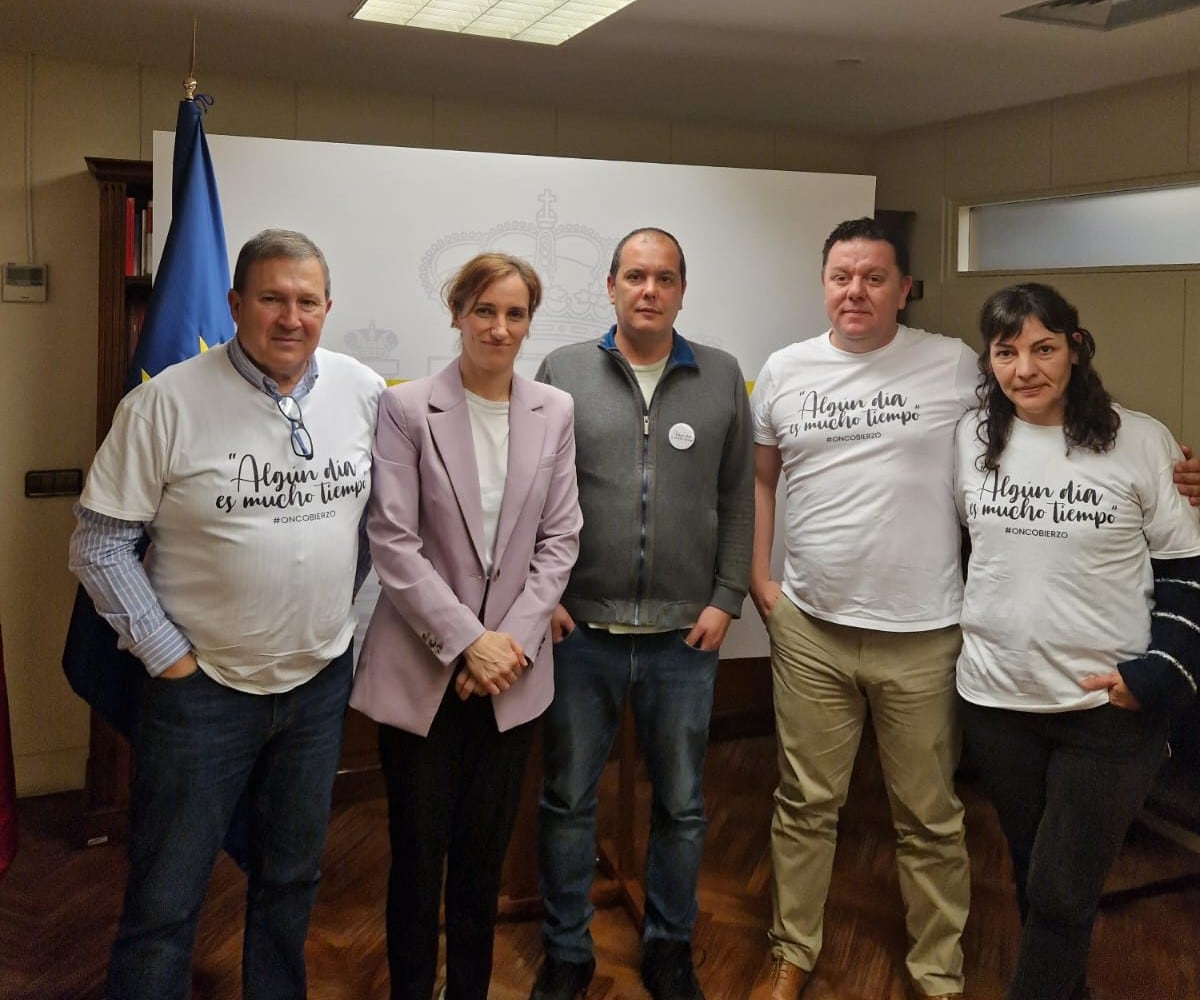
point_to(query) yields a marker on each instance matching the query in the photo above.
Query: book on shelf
(130, 211)
(139, 238)
(137, 242)
(147, 257)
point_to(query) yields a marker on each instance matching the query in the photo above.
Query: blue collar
(681, 351)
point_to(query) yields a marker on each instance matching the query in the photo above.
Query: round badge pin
(681, 436)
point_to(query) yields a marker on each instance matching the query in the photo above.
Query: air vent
(1100, 15)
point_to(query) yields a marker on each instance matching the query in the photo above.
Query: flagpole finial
(189, 85)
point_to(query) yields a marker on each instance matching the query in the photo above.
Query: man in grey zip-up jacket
(665, 467)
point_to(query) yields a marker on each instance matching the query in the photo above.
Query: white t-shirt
(867, 445)
(254, 548)
(648, 377)
(489, 435)
(1060, 584)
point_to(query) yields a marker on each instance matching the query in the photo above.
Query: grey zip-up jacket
(667, 491)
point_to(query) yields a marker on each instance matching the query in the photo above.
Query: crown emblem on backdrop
(375, 348)
(571, 260)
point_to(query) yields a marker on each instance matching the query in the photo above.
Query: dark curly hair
(1090, 420)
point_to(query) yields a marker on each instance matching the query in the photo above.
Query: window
(1152, 226)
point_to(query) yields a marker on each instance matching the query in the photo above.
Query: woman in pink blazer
(474, 526)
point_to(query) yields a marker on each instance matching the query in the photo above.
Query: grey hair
(272, 244)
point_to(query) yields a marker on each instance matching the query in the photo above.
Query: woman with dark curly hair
(1080, 618)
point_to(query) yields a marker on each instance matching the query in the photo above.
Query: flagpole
(189, 85)
(187, 311)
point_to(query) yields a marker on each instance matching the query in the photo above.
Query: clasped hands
(492, 663)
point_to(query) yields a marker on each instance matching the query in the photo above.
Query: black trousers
(1066, 786)
(452, 800)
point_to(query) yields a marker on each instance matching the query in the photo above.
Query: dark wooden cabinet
(120, 297)
(106, 787)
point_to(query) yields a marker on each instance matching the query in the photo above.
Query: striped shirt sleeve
(105, 558)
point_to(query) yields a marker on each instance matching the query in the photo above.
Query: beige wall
(48, 352)
(1146, 321)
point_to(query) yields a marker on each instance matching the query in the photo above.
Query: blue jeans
(1066, 786)
(197, 746)
(670, 687)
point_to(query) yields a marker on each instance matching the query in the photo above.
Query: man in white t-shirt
(248, 467)
(861, 423)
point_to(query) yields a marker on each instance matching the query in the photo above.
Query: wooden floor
(59, 906)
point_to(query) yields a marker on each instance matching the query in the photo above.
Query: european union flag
(188, 311)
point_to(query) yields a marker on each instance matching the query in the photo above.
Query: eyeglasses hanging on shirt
(301, 440)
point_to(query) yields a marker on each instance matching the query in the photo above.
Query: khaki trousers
(826, 676)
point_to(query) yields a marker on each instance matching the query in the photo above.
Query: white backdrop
(394, 222)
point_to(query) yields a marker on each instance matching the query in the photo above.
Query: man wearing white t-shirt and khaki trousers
(861, 423)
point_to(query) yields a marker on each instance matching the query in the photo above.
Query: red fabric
(8, 780)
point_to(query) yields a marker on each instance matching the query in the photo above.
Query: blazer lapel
(450, 428)
(526, 432)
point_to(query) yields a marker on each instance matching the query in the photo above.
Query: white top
(254, 549)
(867, 446)
(1060, 584)
(648, 377)
(489, 434)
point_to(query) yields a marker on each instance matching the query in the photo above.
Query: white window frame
(1118, 231)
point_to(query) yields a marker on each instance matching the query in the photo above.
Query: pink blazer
(425, 525)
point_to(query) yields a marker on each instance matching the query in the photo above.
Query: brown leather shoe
(783, 981)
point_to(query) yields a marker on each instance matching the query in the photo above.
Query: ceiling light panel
(548, 22)
(1101, 15)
